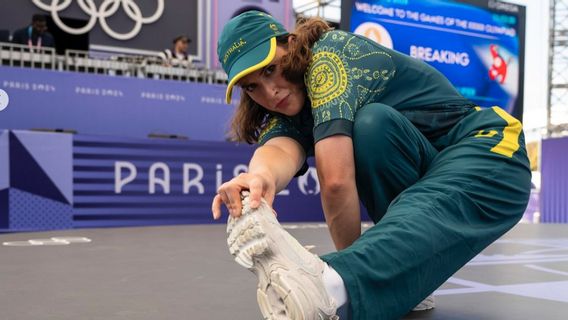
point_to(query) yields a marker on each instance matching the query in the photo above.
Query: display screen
(478, 45)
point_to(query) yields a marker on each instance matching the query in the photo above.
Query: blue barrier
(60, 181)
(116, 106)
(554, 188)
(36, 191)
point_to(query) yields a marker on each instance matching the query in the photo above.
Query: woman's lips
(282, 103)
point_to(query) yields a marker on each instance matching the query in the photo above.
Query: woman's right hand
(229, 193)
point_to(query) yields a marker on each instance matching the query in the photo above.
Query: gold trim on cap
(251, 69)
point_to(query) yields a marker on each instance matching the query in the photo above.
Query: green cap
(247, 43)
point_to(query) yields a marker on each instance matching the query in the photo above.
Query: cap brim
(258, 57)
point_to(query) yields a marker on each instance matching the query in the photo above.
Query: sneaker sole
(249, 245)
(427, 304)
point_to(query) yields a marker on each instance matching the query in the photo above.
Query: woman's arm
(271, 168)
(336, 171)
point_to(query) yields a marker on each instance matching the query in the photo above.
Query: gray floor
(186, 272)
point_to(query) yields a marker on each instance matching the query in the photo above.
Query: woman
(440, 177)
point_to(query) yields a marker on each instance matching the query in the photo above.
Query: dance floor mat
(186, 272)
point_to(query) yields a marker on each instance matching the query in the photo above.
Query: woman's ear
(291, 38)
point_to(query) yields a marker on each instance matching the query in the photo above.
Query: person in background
(35, 35)
(177, 56)
(441, 177)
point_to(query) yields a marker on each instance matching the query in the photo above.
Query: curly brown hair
(250, 118)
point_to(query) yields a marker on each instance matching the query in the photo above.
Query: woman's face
(269, 88)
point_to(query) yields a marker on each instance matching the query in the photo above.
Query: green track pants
(434, 208)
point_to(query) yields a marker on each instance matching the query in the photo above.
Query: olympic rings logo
(107, 9)
(55, 241)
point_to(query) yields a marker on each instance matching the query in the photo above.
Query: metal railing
(16, 55)
(557, 110)
(151, 67)
(81, 61)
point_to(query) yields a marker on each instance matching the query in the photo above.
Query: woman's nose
(272, 88)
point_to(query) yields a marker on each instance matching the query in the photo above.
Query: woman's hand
(271, 168)
(260, 186)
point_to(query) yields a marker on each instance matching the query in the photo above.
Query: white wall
(536, 66)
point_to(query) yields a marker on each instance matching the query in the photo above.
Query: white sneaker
(426, 304)
(290, 277)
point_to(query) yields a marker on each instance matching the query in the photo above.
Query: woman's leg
(471, 193)
(390, 156)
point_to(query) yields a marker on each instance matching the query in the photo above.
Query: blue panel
(4, 209)
(554, 189)
(96, 177)
(27, 175)
(53, 153)
(119, 106)
(4, 160)
(29, 212)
